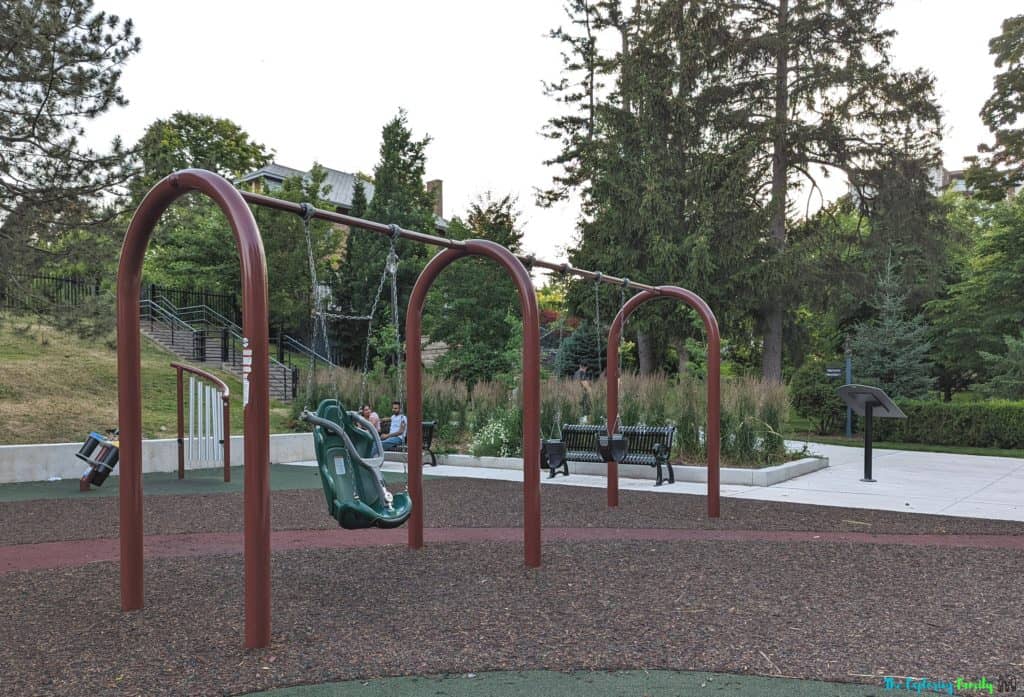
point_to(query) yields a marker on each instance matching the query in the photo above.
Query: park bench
(428, 438)
(647, 445)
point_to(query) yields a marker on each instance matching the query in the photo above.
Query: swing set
(339, 434)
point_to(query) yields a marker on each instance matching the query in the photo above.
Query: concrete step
(180, 343)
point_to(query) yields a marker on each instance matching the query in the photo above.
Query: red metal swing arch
(256, 394)
(712, 435)
(530, 385)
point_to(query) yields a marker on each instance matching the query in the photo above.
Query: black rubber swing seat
(349, 458)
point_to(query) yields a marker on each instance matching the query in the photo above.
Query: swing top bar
(529, 260)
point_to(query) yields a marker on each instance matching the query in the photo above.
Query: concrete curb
(33, 463)
(766, 476)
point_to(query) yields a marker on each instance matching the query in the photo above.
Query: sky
(317, 80)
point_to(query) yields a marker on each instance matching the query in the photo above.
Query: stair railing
(161, 310)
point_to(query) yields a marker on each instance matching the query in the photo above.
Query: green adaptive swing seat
(349, 459)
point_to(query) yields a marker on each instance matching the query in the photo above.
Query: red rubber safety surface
(55, 555)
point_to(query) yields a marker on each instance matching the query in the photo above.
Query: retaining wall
(33, 463)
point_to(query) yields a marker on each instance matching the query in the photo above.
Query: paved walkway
(973, 486)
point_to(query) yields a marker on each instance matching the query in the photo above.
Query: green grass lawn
(56, 387)
(802, 429)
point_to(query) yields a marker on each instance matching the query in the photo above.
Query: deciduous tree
(1001, 166)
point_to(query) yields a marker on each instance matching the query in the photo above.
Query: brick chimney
(435, 187)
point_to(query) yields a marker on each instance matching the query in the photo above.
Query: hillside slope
(56, 387)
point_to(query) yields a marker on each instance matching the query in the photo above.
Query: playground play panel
(769, 589)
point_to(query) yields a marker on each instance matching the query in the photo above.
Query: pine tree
(1006, 371)
(62, 67)
(816, 88)
(665, 199)
(399, 197)
(891, 352)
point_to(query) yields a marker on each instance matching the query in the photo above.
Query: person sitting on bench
(370, 415)
(396, 438)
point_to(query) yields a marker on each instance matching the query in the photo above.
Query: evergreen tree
(62, 68)
(472, 299)
(891, 352)
(1006, 371)
(586, 346)
(290, 287)
(985, 305)
(815, 87)
(659, 193)
(359, 203)
(1002, 164)
(399, 197)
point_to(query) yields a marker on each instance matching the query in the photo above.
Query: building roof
(340, 185)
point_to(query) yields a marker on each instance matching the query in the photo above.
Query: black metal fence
(224, 303)
(40, 291)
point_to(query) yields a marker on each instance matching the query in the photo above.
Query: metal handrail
(166, 316)
(205, 312)
(169, 313)
(299, 347)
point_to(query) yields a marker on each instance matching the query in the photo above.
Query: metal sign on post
(869, 402)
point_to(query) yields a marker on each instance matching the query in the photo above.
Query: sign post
(849, 379)
(869, 402)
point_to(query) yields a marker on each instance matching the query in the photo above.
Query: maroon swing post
(714, 383)
(256, 397)
(530, 384)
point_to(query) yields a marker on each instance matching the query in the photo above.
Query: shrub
(814, 397)
(499, 437)
(992, 424)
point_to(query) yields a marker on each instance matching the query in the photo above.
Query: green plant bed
(788, 456)
(488, 420)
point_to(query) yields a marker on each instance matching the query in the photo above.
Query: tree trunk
(644, 353)
(771, 356)
(771, 361)
(679, 343)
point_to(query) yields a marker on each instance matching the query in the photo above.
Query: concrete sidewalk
(972, 486)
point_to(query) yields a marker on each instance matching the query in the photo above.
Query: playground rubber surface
(780, 590)
(200, 481)
(538, 683)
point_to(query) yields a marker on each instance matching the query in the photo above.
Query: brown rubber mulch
(833, 611)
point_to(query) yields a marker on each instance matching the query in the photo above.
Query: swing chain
(622, 339)
(390, 268)
(308, 211)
